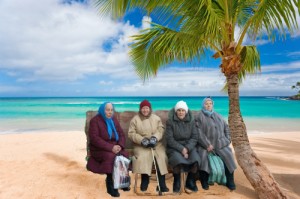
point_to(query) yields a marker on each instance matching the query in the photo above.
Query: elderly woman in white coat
(214, 136)
(181, 146)
(146, 132)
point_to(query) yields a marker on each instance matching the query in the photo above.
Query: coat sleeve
(202, 139)
(132, 132)
(95, 136)
(122, 139)
(160, 129)
(192, 142)
(171, 142)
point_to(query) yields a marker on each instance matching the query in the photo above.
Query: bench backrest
(124, 119)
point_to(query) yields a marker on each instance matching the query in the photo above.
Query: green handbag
(217, 170)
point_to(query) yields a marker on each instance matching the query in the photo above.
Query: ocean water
(21, 115)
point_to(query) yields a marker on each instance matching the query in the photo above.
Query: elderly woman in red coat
(106, 141)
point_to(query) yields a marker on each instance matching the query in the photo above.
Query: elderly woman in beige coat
(146, 132)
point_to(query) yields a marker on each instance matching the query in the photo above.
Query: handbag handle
(213, 152)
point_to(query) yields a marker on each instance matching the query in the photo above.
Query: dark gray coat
(180, 134)
(214, 130)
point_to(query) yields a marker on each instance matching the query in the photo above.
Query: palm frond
(205, 20)
(274, 16)
(158, 46)
(251, 61)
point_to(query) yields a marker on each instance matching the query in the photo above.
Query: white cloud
(53, 41)
(294, 54)
(286, 67)
(45, 41)
(205, 81)
(146, 22)
(105, 83)
(9, 89)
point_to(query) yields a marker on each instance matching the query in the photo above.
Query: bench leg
(140, 193)
(182, 184)
(136, 177)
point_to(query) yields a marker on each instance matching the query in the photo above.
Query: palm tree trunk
(256, 172)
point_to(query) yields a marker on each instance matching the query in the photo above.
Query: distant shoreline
(168, 96)
(255, 125)
(295, 97)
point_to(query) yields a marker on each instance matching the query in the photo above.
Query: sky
(66, 48)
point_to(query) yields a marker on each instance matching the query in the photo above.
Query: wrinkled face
(109, 110)
(145, 110)
(180, 113)
(208, 105)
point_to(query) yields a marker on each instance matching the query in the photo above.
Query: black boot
(230, 180)
(162, 183)
(176, 183)
(145, 182)
(191, 183)
(204, 179)
(126, 189)
(110, 186)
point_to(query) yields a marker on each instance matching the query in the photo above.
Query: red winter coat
(102, 158)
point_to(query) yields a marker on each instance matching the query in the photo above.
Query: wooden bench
(124, 118)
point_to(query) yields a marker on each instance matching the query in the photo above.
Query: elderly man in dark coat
(214, 136)
(181, 141)
(106, 141)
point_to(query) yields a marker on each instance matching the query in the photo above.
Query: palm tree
(297, 87)
(190, 28)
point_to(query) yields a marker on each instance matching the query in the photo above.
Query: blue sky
(64, 48)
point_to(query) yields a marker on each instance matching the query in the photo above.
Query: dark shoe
(204, 179)
(163, 189)
(162, 183)
(145, 182)
(115, 193)
(110, 186)
(230, 180)
(191, 183)
(126, 189)
(205, 185)
(176, 183)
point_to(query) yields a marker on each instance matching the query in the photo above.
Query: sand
(52, 165)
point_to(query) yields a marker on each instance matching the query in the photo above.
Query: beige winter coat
(142, 160)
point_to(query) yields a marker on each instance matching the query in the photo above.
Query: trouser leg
(204, 179)
(144, 182)
(230, 179)
(177, 180)
(162, 180)
(110, 186)
(191, 178)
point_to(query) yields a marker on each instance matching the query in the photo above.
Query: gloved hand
(145, 142)
(153, 142)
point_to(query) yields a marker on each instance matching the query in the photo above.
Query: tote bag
(121, 176)
(217, 170)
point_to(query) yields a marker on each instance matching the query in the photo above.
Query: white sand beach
(52, 165)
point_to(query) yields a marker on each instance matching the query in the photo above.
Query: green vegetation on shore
(297, 96)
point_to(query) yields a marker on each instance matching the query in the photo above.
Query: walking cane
(159, 191)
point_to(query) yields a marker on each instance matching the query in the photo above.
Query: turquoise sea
(44, 114)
